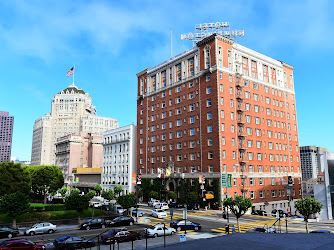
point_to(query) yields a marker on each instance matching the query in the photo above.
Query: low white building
(119, 158)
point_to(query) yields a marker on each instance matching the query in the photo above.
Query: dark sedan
(122, 221)
(8, 232)
(73, 242)
(175, 205)
(181, 225)
(124, 236)
(93, 223)
(21, 244)
(109, 237)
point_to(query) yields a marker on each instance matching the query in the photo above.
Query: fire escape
(241, 133)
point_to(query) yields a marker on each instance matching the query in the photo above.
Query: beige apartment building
(72, 112)
(80, 158)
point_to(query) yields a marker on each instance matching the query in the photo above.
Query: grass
(52, 215)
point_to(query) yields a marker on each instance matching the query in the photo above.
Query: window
(261, 181)
(221, 88)
(252, 194)
(209, 128)
(209, 115)
(222, 100)
(191, 119)
(208, 102)
(208, 77)
(191, 107)
(223, 140)
(208, 90)
(231, 102)
(210, 143)
(223, 126)
(222, 113)
(179, 134)
(210, 169)
(210, 155)
(178, 122)
(192, 131)
(232, 116)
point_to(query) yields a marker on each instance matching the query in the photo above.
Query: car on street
(8, 232)
(152, 203)
(159, 213)
(162, 205)
(193, 206)
(106, 238)
(261, 213)
(175, 205)
(159, 230)
(262, 230)
(41, 228)
(139, 212)
(321, 232)
(21, 244)
(124, 236)
(181, 225)
(282, 213)
(121, 221)
(93, 223)
(73, 242)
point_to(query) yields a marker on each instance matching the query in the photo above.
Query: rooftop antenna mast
(207, 29)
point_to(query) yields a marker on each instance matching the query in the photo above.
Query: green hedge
(47, 207)
(52, 215)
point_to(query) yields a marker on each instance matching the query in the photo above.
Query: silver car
(41, 228)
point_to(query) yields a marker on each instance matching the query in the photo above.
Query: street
(211, 221)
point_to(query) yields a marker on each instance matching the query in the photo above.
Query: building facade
(79, 153)
(221, 108)
(6, 136)
(313, 161)
(72, 112)
(119, 158)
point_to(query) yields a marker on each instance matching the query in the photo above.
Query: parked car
(193, 206)
(120, 210)
(282, 213)
(124, 236)
(122, 221)
(107, 238)
(159, 230)
(162, 205)
(159, 213)
(73, 242)
(262, 230)
(21, 244)
(185, 224)
(8, 232)
(93, 223)
(41, 228)
(261, 212)
(321, 232)
(152, 203)
(135, 211)
(175, 205)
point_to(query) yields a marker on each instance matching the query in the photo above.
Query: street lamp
(235, 165)
(137, 183)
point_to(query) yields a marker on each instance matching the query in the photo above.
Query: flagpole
(73, 73)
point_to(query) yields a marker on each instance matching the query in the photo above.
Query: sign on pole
(134, 178)
(227, 181)
(185, 213)
(223, 180)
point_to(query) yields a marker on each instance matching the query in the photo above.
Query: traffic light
(138, 179)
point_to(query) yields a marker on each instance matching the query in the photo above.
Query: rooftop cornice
(287, 65)
(143, 72)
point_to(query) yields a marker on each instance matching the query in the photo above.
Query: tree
(62, 191)
(108, 195)
(238, 206)
(127, 201)
(172, 195)
(75, 191)
(14, 205)
(154, 195)
(306, 207)
(77, 202)
(98, 189)
(193, 197)
(118, 190)
(46, 179)
(14, 178)
(91, 194)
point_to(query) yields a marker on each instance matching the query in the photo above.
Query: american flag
(70, 72)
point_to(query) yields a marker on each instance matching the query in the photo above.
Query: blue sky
(110, 41)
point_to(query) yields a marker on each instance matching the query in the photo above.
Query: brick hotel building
(217, 108)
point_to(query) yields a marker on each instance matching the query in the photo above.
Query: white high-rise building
(72, 111)
(119, 158)
(313, 161)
